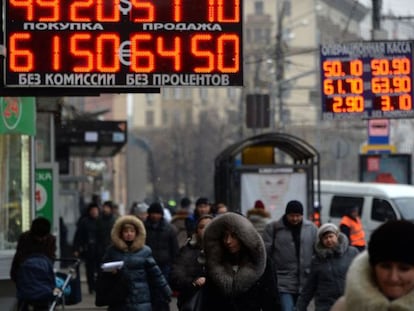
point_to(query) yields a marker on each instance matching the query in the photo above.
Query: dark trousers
(33, 306)
(91, 267)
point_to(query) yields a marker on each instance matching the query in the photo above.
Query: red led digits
(141, 60)
(390, 103)
(337, 68)
(222, 41)
(106, 12)
(79, 11)
(196, 42)
(47, 10)
(217, 11)
(144, 11)
(174, 54)
(27, 5)
(178, 8)
(347, 104)
(395, 66)
(107, 47)
(83, 54)
(56, 58)
(21, 59)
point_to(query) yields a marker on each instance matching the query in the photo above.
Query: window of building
(203, 94)
(150, 99)
(149, 118)
(14, 189)
(258, 7)
(178, 93)
(187, 93)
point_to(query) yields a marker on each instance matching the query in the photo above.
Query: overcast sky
(403, 7)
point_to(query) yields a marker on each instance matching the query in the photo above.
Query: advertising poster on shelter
(275, 190)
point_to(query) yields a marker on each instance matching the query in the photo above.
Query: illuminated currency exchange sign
(367, 80)
(123, 43)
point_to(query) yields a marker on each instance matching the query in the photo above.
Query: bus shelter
(274, 168)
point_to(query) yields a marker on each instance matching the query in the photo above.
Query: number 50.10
(103, 52)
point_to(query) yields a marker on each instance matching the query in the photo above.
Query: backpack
(35, 279)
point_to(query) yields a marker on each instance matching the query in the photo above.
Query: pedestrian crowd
(214, 259)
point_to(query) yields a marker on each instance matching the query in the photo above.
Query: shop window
(15, 188)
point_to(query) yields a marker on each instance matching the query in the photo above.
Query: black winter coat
(162, 239)
(145, 277)
(249, 287)
(186, 269)
(326, 282)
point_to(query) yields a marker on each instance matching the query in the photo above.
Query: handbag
(111, 288)
(195, 303)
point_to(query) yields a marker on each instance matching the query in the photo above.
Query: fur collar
(139, 241)
(339, 250)
(258, 212)
(220, 270)
(362, 294)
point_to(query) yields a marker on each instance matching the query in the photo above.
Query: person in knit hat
(326, 282)
(289, 243)
(382, 278)
(258, 216)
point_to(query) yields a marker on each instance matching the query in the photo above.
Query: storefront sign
(18, 115)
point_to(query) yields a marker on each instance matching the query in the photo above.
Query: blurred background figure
(32, 267)
(259, 216)
(162, 239)
(382, 278)
(202, 207)
(178, 220)
(188, 273)
(87, 244)
(139, 209)
(105, 224)
(219, 208)
(351, 226)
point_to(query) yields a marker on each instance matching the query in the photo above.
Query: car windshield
(406, 207)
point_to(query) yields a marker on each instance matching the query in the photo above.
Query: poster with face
(275, 190)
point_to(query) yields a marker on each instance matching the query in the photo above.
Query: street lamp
(279, 62)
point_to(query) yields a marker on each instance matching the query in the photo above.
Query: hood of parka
(220, 271)
(116, 232)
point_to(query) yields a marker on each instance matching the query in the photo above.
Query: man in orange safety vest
(351, 226)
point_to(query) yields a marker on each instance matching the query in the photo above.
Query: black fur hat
(392, 241)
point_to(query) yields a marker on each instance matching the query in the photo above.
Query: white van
(376, 202)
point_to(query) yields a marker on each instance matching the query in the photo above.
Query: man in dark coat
(162, 239)
(86, 244)
(105, 224)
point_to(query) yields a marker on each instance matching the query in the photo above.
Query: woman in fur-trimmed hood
(238, 274)
(145, 278)
(382, 279)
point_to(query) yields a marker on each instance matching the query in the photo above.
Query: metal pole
(279, 61)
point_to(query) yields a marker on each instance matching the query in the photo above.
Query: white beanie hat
(328, 227)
